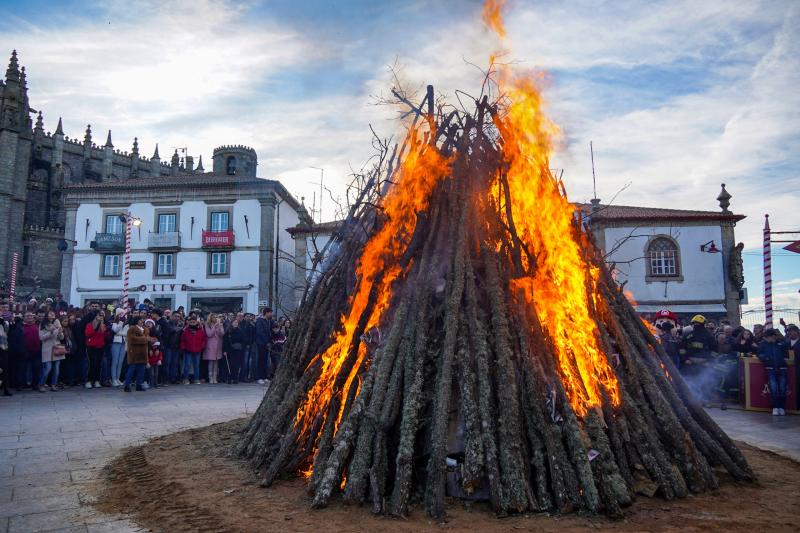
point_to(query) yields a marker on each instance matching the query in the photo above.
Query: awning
(693, 308)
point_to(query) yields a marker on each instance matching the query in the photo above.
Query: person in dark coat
(263, 338)
(745, 344)
(16, 352)
(80, 340)
(697, 357)
(249, 329)
(5, 372)
(233, 348)
(774, 352)
(138, 344)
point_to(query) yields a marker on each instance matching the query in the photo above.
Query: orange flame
(563, 284)
(493, 17)
(379, 266)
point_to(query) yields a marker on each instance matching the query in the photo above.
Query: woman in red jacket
(95, 346)
(193, 341)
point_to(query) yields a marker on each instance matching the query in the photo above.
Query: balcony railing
(170, 240)
(108, 242)
(218, 239)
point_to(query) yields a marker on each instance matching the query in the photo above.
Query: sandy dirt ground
(186, 482)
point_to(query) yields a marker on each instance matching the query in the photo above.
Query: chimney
(189, 164)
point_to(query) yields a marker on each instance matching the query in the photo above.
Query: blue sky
(677, 96)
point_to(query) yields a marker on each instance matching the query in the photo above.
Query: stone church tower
(16, 137)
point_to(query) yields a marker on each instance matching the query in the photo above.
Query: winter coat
(30, 337)
(213, 349)
(3, 335)
(171, 335)
(235, 340)
(193, 340)
(155, 357)
(773, 354)
(164, 330)
(120, 330)
(698, 343)
(745, 346)
(80, 331)
(50, 336)
(16, 338)
(263, 334)
(95, 338)
(249, 331)
(138, 344)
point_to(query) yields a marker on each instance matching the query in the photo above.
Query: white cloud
(201, 73)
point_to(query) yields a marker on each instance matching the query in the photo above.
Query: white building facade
(213, 241)
(681, 260)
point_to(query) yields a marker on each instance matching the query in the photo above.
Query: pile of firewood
(447, 381)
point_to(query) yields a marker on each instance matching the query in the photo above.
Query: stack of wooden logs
(465, 374)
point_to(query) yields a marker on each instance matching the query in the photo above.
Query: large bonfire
(467, 338)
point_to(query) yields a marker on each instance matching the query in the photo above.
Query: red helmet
(664, 313)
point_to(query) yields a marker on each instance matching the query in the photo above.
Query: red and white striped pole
(767, 274)
(127, 272)
(12, 291)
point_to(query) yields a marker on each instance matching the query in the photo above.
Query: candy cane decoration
(767, 275)
(12, 292)
(126, 273)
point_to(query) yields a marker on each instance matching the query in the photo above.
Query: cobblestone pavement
(53, 444)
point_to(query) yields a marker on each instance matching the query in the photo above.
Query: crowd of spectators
(707, 355)
(49, 346)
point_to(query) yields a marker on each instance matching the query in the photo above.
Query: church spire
(109, 144)
(59, 128)
(200, 168)
(135, 149)
(155, 154)
(87, 138)
(39, 123)
(175, 158)
(12, 72)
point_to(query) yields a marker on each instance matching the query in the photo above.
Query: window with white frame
(167, 222)
(663, 258)
(114, 224)
(219, 221)
(219, 263)
(165, 265)
(111, 266)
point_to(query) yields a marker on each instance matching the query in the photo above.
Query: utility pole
(321, 180)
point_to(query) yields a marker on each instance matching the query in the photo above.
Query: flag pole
(767, 274)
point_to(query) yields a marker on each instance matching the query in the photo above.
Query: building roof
(322, 227)
(185, 181)
(639, 213)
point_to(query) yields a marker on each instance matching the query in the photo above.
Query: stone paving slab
(779, 434)
(53, 445)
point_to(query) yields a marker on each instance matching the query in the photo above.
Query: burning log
(476, 325)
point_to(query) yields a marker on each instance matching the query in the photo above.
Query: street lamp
(129, 221)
